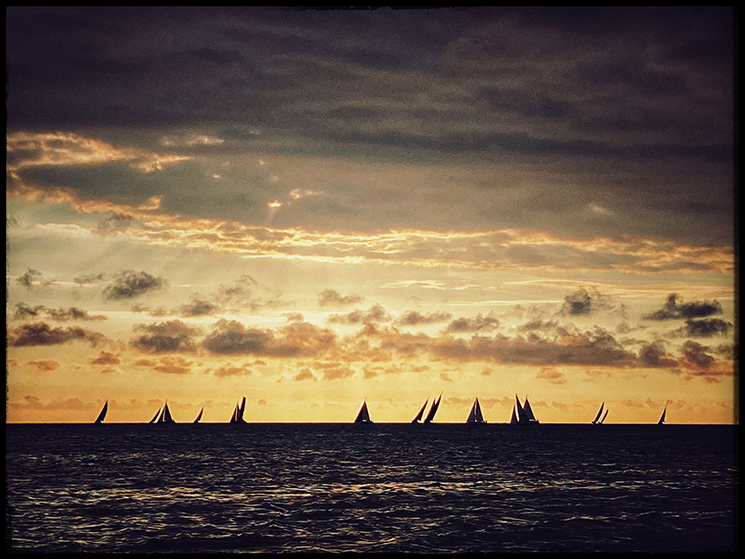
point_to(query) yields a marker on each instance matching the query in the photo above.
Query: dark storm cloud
(166, 337)
(654, 355)
(23, 311)
(40, 333)
(674, 310)
(129, 284)
(580, 302)
(278, 69)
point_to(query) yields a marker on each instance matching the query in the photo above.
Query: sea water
(375, 488)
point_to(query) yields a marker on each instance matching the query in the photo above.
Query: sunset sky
(311, 208)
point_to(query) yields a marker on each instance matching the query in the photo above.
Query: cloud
(162, 337)
(129, 284)
(704, 328)
(476, 324)
(45, 365)
(694, 355)
(674, 310)
(198, 307)
(106, 358)
(416, 318)
(246, 292)
(40, 333)
(375, 314)
(228, 370)
(296, 339)
(654, 355)
(89, 278)
(552, 375)
(28, 278)
(329, 297)
(23, 311)
(581, 303)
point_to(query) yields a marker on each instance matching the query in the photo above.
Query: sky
(314, 208)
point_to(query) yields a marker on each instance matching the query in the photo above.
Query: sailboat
(475, 416)
(237, 416)
(363, 416)
(199, 416)
(433, 409)
(421, 412)
(597, 420)
(523, 414)
(102, 414)
(662, 417)
(162, 416)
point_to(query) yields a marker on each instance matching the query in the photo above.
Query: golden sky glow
(395, 222)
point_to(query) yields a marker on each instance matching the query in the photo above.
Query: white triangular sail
(165, 417)
(522, 414)
(199, 417)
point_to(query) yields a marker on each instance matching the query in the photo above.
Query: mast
(421, 412)
(102, 414)
(600, 411)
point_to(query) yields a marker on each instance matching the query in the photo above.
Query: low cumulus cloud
(331, 297)
(197, 307)
(28, 278)
(581, 302)
(695, 355)
(106, 358)
(704, 328)
(129, 284)
(375, 314)
(41, 333)
(296, 339)
(479, 323)
(25, 312)
(163, 337)
(416, 318)
(655, 355)
(246, 292)
(672, 309)
(45, 365)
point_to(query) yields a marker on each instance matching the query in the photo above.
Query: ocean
(371, 488)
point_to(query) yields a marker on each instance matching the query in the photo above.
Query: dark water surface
(385, 487)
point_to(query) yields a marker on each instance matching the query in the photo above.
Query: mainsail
(662, 418)
(199, 416)
(604, 416)
(523, 414)
(597, 417)
(155, 417)
(433, 409)
(363, 416)
(240, 408)
(165, 417)
(102, 414)
(421, 412)
(475, 415)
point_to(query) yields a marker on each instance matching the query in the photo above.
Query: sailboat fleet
(522, 414)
